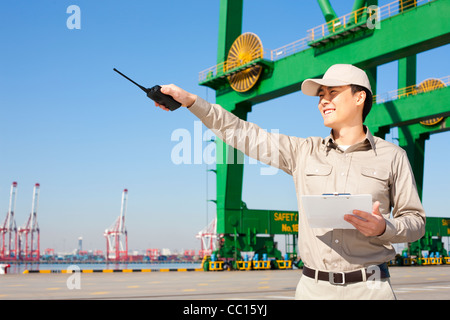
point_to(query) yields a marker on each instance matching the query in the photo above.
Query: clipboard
(328, 210)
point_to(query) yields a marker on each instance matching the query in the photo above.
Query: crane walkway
(366, 17)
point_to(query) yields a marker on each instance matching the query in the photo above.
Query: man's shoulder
(315, 140)
(384, 146)
(307, 144)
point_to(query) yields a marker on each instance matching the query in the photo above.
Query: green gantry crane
(244, 77)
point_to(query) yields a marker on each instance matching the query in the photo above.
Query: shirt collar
(330, 143)
(370, 138)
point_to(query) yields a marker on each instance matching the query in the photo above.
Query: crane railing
(222, 68)
(337, 24)
(412, 90)
(341, 23)
(324, 30)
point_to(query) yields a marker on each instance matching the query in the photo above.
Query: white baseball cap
(337, 75)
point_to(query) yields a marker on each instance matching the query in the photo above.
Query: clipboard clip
(336, 194)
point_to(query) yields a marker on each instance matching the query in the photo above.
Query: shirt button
(337, 241)
(342, 173)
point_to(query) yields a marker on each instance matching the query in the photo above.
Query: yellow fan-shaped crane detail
(246, 48)
(430, 85)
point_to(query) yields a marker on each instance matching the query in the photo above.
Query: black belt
(348, 277)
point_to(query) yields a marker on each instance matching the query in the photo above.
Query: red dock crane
(8, 231)
(29, 234)
(116, 235)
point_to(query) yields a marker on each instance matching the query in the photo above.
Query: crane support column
(230, 26)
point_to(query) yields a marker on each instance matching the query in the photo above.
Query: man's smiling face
(339, 107)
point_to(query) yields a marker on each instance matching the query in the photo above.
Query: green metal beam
(420, 129)
(413, 140)
(399, 36)
(358, 4)
(438, 226)
(407, 71)
(230, 26)
(409, 110)
(327, 10)
(262, 221)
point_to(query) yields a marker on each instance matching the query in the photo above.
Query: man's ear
(361, 97)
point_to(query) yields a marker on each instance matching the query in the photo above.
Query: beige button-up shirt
(319, 166)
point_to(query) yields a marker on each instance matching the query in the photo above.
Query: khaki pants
(311, 289)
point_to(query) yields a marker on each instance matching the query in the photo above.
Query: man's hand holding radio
(185, 98)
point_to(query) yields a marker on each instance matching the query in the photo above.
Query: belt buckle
(331, 278)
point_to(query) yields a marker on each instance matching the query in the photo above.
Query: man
(339, 263)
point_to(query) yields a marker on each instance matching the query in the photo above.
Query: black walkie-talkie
(155, 94)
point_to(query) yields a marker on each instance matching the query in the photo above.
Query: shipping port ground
(409, 283)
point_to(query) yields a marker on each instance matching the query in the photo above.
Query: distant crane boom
(8, 246)
(116, 235)
(30, 234)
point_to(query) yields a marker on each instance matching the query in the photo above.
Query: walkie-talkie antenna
(143, 88)
(156, 95)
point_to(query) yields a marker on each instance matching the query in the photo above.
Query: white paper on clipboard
(328, 210)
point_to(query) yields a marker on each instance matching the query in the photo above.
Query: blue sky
(84, 133)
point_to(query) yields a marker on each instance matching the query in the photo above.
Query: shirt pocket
(374, 181)
(316, 178)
